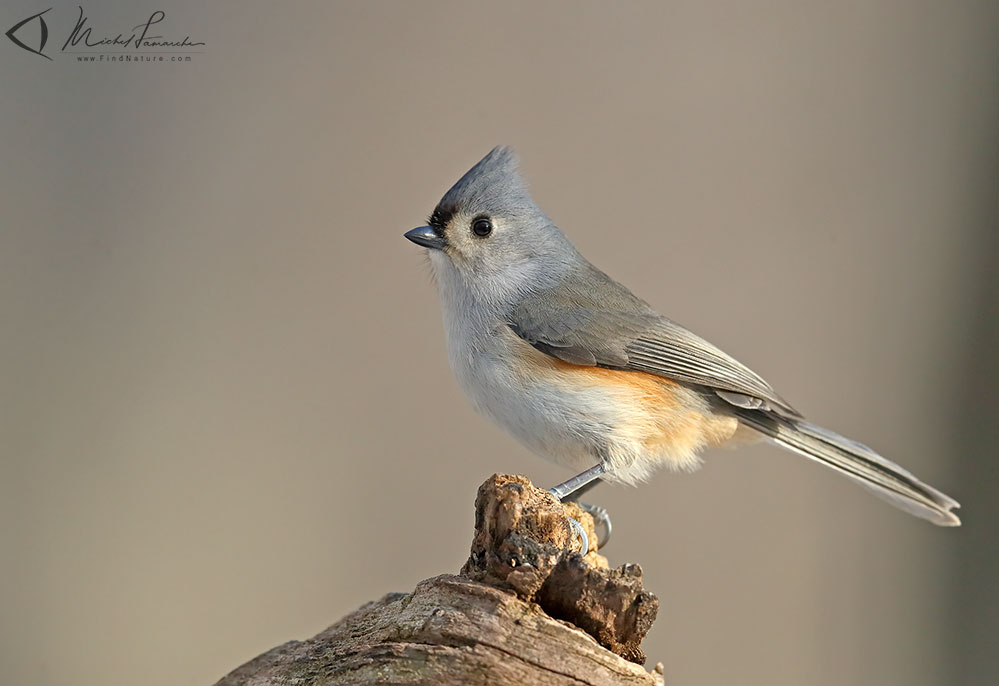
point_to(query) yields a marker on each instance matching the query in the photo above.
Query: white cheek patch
(469, 264)
(459, 236)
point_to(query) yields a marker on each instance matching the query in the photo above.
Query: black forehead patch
(440, 217)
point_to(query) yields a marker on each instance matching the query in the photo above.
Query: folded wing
(591, 320)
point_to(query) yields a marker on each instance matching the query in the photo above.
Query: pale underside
(577, 416)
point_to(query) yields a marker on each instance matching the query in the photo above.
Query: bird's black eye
(482, 226)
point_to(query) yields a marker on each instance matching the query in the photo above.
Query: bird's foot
(577, 528)
(584, 540)
(600, 518)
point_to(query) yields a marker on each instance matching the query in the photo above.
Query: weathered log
(526, 609)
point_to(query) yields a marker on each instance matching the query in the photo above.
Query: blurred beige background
(219, 355)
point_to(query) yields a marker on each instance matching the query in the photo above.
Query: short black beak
(427, 237)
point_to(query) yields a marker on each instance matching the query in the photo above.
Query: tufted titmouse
(588, 375)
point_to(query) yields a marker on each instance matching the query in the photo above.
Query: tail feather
(858, 462)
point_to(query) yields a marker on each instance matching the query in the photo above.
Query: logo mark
(44, 34)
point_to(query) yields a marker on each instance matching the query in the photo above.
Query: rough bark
(526, 609)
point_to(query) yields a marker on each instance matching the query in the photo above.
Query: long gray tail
(885, 479)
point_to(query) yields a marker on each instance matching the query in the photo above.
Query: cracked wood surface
(525, 610)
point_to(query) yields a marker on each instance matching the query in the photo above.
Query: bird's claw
(600, 517)
(584, 540)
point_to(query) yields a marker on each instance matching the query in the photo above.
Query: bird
(588, 375)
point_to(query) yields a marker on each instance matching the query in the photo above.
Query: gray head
(487, 235)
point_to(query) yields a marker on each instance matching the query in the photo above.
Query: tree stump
(525, 609)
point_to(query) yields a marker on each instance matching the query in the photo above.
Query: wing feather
(591, 320)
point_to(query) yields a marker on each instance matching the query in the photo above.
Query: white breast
(560, 424)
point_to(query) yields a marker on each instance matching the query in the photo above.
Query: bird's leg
(571, 489)
(573, 496)
(579, 483)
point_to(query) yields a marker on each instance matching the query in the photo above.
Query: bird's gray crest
(494, 184)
